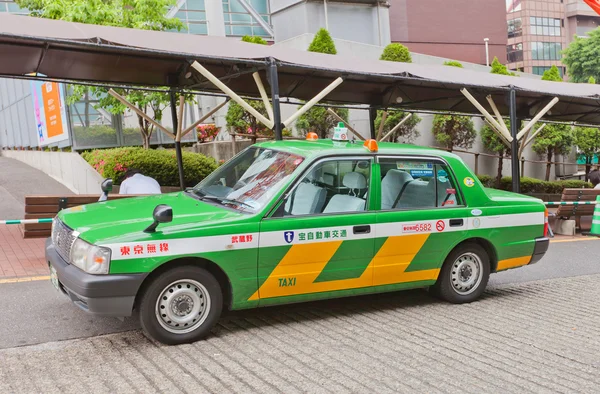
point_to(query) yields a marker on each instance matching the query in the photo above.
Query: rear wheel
(181, 305)
(464, 275)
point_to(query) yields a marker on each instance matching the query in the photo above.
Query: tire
(464, 275)
(190, 302)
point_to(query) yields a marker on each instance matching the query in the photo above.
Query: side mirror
(106, 187)
(162, 214)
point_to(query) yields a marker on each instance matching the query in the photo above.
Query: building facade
(451, 29)
(538, 31)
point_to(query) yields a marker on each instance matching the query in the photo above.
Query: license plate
(54, 277)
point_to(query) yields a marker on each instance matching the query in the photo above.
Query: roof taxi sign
(340, 133)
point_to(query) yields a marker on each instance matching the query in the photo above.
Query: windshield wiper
(222, 200)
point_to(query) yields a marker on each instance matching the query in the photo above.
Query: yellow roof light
(312, 136)
(371, 145)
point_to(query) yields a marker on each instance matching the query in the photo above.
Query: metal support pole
(372, 117)
(514, 127)
(274, 81)
(177, 140)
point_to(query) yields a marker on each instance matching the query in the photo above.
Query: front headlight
(90, 258)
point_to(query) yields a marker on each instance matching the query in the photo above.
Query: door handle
(366, 229)
(456, 222)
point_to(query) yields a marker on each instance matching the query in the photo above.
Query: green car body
(264, 258)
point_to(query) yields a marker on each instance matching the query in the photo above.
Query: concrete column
(214, 18)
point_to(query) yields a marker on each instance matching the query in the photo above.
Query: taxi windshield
(250, 180)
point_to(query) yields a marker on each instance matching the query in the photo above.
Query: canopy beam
(486, 114)
(406, 118)
(221, 86)
(313, 101)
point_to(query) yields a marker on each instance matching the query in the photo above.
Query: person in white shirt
(137, 183)
(594, 177)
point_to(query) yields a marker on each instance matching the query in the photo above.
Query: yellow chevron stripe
(513, 263)
(304, 262)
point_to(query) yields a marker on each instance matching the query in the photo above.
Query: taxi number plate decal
(416, 228)
(54, 277)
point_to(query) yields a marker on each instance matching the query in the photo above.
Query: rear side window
(416, 184)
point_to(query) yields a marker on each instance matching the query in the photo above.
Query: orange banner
(51, 100)
(595, 4)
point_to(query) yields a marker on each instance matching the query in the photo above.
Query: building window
(514, 53)
(515, 28)
(545, 26)
(539, 70)
(546, 50)
(513, 6)
(239, 23)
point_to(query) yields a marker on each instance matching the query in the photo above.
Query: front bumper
(539, 250)
(106, 295)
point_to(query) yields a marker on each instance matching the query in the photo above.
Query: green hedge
(103, 136)
(532, 185)
(160, 164)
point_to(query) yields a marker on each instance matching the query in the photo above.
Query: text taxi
(293, 221)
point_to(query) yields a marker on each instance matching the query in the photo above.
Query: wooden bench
(577, 211)
(38, 207)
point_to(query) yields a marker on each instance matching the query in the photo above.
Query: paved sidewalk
(534, 337)
(21, 257)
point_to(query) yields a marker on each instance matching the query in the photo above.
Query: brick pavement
(20, 257)
(538, 337)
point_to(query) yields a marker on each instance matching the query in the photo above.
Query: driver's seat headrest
(354, 180)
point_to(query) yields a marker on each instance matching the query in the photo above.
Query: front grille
(63, 239)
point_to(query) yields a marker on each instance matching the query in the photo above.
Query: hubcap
(182, 306)
(466, 273)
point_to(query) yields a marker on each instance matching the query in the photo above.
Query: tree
(499, 68)
(255, 40)
(137, 14)
(454, 131)
(592, 80)
(552, 74)
(405, 133)
(322, 43)
(453, 63)
(242, 121)
(587, 140)
(493, 143)
(582, 57)
(396, 53)
(318, 119)
(554, 139)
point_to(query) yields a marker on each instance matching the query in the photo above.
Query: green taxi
(292, 221)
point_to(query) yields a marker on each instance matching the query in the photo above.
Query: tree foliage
(552, 74)
(592, 80)
(396, 53)
(499, 68)
(255, 40)
(137, 14)
(242, 121)
(322, 43)
(406, 133)
(453, 131)
(320, 121)
(582, 57)
(493, 143)
(453, 63)
(554, 139)
(587, 140)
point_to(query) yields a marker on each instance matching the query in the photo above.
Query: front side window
(332, 186)
(250, 180)
(415, 184)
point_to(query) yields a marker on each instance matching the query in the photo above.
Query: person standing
(137, 183)
(594, 177)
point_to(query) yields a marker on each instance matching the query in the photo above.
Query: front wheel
(181, 305)
(464, 275)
